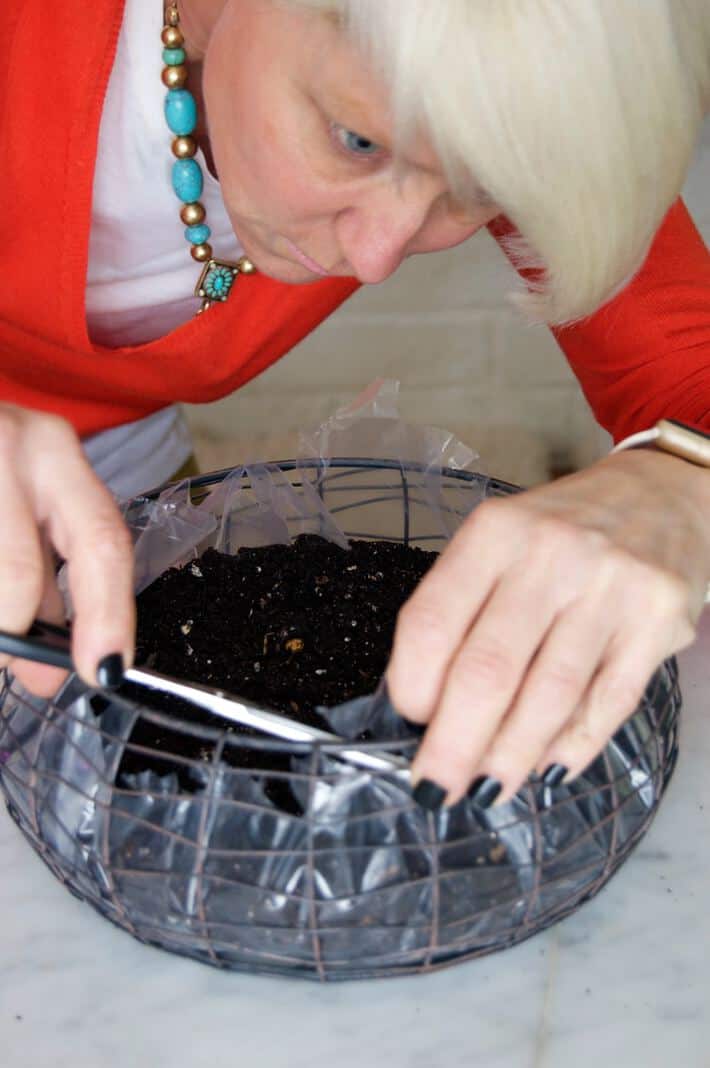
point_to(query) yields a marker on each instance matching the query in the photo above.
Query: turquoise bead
(187, 180)
(197, 235)
(181, 112)
(173, 57)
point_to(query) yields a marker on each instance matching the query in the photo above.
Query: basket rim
(211, 478)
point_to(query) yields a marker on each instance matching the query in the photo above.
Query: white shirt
(141, 276)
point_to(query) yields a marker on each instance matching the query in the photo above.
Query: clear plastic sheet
(305, 865)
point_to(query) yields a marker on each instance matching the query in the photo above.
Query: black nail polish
(429, 795)
(484, 791)
(554, 775)
(109, 673)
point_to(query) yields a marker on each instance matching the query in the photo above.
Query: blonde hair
(578, 118)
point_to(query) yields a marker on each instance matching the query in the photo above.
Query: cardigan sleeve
(645, 355)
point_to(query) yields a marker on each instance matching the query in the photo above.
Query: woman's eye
(355, 143)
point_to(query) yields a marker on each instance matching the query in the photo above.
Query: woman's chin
(284, 271)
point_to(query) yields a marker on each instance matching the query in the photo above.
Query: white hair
(578, 118)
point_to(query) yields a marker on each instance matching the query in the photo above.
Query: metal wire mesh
(352, 880)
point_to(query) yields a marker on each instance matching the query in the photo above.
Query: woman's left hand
(533, 636)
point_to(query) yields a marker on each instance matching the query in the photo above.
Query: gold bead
(184, 147)
(174, 77)
(192, 214)
(202, 253)
(245, 265)
(172, 37)
(171, 15)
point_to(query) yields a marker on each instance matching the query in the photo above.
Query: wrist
(681, 489)
(690, 445)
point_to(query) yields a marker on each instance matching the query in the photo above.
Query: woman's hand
(534, 635)
(52, 500)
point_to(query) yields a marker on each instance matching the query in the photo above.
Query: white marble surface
(624, 982)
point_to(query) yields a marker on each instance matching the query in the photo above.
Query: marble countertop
(623, 982)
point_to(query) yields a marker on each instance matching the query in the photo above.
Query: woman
(347, 135)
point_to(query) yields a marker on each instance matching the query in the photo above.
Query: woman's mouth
(305, 260)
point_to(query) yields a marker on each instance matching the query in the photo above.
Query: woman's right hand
(52, 500)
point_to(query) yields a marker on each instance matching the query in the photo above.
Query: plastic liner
(350, 879)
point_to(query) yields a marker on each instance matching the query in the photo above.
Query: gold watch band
(670, 435)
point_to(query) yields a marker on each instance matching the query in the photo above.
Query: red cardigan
(646, 355)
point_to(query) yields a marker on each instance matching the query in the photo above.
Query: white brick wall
(465, 359)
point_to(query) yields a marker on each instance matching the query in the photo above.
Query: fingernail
(484, 791)
(554, 775)
(109, 673)
(429, 795)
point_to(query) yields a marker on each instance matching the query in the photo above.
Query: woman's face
(302, 142)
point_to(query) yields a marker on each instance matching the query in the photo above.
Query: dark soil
(289, 627)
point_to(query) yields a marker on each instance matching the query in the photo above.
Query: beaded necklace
(218, 276)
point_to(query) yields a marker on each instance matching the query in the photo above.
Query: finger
(553, 688)
(613, 696)
(51, 606)
(21, 560)
(483, 681)
(433, 623)
(42, 679)
(86, 527)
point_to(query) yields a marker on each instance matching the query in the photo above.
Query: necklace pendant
(217, 278)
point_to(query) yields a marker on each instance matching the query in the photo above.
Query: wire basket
(353, 881)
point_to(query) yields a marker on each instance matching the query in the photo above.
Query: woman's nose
(377, 235)
(372, 244)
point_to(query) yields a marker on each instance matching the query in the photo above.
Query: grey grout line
(541, 1039)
